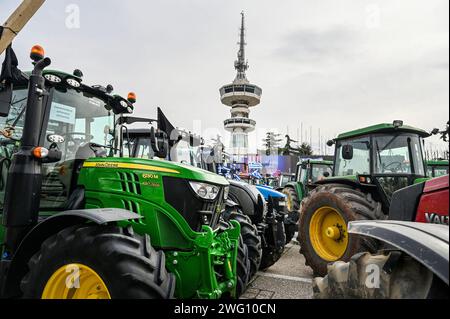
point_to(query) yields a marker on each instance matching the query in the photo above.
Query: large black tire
(251, 239)
(126, 262)
(291, 225)
(242, 263)
(273, 245)
(292, 200)
(359, 278)
(242, 268)
(351, 204)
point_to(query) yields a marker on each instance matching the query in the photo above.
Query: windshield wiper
(389, 143)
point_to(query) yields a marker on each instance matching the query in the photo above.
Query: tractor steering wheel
(74, 143)
(398, 167)
(71, 134)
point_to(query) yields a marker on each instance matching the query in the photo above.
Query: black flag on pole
(164, 124)
(10, 72)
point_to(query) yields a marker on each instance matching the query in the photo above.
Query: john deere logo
(106, 165)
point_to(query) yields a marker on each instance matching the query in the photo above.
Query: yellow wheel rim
(289, 204)
(328, 233)
(75, 281)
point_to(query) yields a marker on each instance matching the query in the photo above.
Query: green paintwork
(421, 180)
(191, 256)
(348, 177)
(196, 254)
(438, 163)
(382, 128)
(317, 162)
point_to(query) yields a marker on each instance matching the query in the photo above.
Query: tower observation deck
(240, 95)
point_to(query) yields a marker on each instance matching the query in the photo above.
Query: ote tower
(240, 96)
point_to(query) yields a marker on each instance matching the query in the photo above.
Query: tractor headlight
(205, 191)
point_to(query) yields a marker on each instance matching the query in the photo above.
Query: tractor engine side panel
(434, 206)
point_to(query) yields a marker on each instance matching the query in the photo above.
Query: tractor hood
(163, 167)
(267, 192)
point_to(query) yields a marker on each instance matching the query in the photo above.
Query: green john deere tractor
(80, 223)
(163, 141)
(308, 172)
(370, 165)
(437, 168)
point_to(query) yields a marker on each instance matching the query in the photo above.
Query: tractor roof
(383, 128)
(316, 161)
(438, 163)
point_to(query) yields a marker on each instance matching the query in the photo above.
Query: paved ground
(289, 278)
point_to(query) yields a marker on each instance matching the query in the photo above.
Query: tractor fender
(269, 192)
(231, 204)
(50, 226)
(426, 243)
(248, 198)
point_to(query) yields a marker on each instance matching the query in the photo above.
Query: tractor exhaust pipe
(23, 187)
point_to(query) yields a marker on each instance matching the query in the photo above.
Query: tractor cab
(61, 173)
(78, 122)
(370, 165)
(386, 156)
(177, 145)
(437, 168)
(310, 171)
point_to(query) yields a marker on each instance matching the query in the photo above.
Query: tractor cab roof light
(73, 83)
(397, 123)
(37, 53)
(132, 97)
(53, 78)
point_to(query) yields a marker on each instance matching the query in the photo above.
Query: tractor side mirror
(5, 99)
(162, 143)
(347, 152)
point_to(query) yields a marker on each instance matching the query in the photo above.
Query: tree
(306, 149)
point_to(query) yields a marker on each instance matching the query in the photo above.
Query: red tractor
(413, 260)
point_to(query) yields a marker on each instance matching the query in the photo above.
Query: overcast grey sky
(337, 65)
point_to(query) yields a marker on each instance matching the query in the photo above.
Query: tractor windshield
(398, 155)
(82, 121)
(359, 163)
(184, 152)
(141, 147)
(319, 171)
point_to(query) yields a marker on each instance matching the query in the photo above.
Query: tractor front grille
(196, 211)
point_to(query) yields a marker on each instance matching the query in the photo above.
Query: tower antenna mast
(241, 65)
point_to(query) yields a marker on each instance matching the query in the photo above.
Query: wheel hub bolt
(333, 232)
